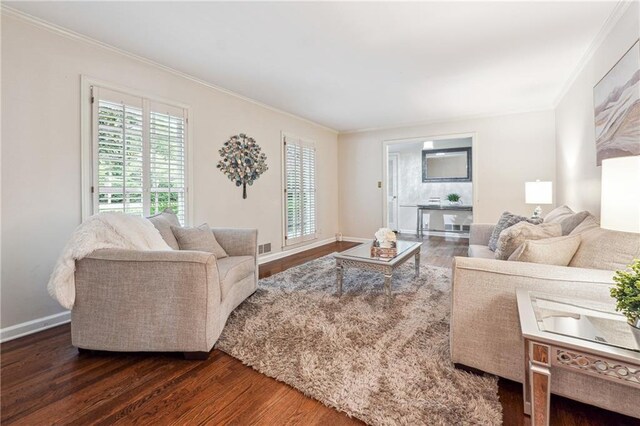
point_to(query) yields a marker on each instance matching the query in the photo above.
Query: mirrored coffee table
(360, 257)
(584, 336)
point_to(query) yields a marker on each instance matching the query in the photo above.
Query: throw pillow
(513, 237)
(589, 223)
(506, 220)
(557, 214)
(550, 251)
(199, 239)
(569, 223)
(163, 223)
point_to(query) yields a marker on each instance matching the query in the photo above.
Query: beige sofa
(168, 301)
(485, 327)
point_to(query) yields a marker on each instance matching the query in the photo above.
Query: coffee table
(360, 257)
(584, 336)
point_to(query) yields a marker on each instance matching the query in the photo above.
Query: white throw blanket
(104, 230)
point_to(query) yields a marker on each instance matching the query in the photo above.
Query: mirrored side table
(585, 336)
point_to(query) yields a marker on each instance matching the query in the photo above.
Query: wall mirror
(446, 165)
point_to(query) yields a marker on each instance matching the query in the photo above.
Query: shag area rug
(385, 365)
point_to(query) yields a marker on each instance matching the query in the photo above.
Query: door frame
(397, 205)
(474, 167)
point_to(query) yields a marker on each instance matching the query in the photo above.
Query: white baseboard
(293, 250)
(33, 326)
(357, 239)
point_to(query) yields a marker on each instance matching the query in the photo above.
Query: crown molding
(25, 17)
(609, 24)
(447, 120)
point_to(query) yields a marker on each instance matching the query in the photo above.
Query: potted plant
(454, 198)
(627, 295)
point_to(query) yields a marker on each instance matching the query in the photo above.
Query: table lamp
(538, 193)
(620, 199)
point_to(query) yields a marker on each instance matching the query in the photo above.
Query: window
(139, 154)
(299, 190)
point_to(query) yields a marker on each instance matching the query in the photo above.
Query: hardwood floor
(46, 381)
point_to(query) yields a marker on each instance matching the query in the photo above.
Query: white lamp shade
(620, 202)
(538, 192)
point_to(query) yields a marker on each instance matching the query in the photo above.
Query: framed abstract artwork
(617, 108)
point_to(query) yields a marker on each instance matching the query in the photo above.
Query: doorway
(429, 187)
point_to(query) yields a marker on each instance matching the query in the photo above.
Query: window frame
(303, 239)
(89, 141)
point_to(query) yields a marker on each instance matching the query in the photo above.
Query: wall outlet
(379, 184)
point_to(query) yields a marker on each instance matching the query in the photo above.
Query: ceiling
(355, 65)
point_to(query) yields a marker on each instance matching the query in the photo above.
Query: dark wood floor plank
(30, 340)
(45, 381)
(250, 395)
(170, 400)
(18, 364)
(73, 378)
(102, 391)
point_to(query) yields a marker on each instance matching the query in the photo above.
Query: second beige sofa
(485, 327)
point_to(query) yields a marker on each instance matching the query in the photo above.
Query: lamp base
(537, 213)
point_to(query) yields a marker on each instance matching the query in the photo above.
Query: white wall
(508, 150)
(41, 202)
(578, 176)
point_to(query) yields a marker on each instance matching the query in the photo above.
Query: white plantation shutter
(308, 191)
(300, 190)
(293, 176)
(167, 160)
(139, 155)
(119, 153)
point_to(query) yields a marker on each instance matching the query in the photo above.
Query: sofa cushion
(556, 215)
(163, 223)
(506, 220)
(606, 249)
(514, 236)
(200, 239)
(550, 251)
(481, 251)
(232, 269)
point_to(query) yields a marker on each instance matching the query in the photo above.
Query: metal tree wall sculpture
(242, 161)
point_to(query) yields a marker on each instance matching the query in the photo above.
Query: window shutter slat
(300, 199)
